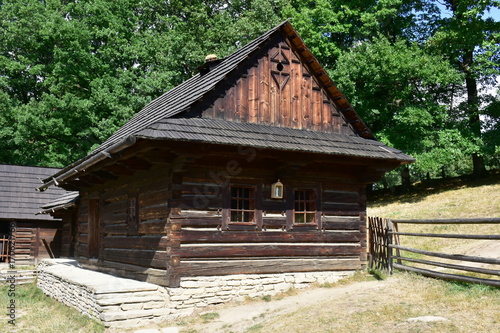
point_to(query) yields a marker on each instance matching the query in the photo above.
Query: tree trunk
(479, 169)
(405, 179)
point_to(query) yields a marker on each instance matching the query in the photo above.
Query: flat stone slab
(427, 319)
(99, 283)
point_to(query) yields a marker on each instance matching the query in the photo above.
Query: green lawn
(35, 312)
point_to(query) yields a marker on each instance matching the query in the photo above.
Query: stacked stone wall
(125, 303)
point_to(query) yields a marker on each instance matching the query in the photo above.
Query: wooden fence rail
(391, 240)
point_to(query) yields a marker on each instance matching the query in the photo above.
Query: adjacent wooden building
(35, 236)
(258, 164)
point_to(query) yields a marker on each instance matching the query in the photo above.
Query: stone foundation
(120, 302)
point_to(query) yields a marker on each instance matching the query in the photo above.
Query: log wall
(203, 243)
(172, 221)
(133, 214)
(36, 240)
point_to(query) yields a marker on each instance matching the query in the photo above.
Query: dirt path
(241, 318)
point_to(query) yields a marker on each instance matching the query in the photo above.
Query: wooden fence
(4, 248)
(379, 242)
(384, 236)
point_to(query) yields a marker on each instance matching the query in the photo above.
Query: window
(242, 204)
(305, 206)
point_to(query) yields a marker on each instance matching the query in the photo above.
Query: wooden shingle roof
(163, 118)
(219, 131)
(18, 198)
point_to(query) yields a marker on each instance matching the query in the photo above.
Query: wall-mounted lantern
(277, 190)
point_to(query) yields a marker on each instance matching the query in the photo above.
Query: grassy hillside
(451, 199)
(454, 198)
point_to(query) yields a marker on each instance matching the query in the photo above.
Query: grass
(389, 309)
(36, 312)
(456, 198)
(207, 317)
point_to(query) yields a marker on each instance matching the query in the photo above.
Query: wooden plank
(317, 106)
(460, 257)
(154, 198)
(343, 212)
(451, 221)
(445, 276)
(157, 276)
(264, 91)
(230, 104)
(155, 242)
(264, 266)
(253, 95)
(341, 225)
(340, 206)
(306, 100)
(274, 222)
(194, 236)
(340, 196)
(153, 227)
(263, 250)
(205, 221)
(153, 213)
(144, 258)
(451, 266)
(295, 90)
(460, 236)
(326, 117)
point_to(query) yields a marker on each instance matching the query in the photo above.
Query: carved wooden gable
(277, 89)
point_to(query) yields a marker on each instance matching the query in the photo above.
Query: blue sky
(494, 13)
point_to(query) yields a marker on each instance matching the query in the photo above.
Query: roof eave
(84, 164)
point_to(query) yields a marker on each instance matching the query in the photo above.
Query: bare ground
(402, 303)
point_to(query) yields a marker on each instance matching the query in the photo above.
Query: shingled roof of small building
(162, 118)
(18, 198)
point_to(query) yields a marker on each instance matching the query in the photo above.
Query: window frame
(308, 201)
(227, 223)
(291, 211)
(241, 201)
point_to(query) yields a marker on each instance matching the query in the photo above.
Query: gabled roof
(18, 198)
(184, 96)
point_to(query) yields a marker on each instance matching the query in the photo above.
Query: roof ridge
(218, 73)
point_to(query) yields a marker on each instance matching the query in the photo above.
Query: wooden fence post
(388, 243)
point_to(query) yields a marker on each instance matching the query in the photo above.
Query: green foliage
(73, 72)
(401, 92)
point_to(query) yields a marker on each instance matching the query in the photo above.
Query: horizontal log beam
(264, 266)
(269, 250)
(451, 266)
(460, 257)
(451, 221)
(445, 276)
(494, 237)
(193, 236)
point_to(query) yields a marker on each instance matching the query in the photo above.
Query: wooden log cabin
(35, 236)
(258, 164)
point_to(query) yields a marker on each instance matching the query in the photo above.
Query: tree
(471, 41)
(402, 93)
(72, 72)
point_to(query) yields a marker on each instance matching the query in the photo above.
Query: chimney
(211, 62)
